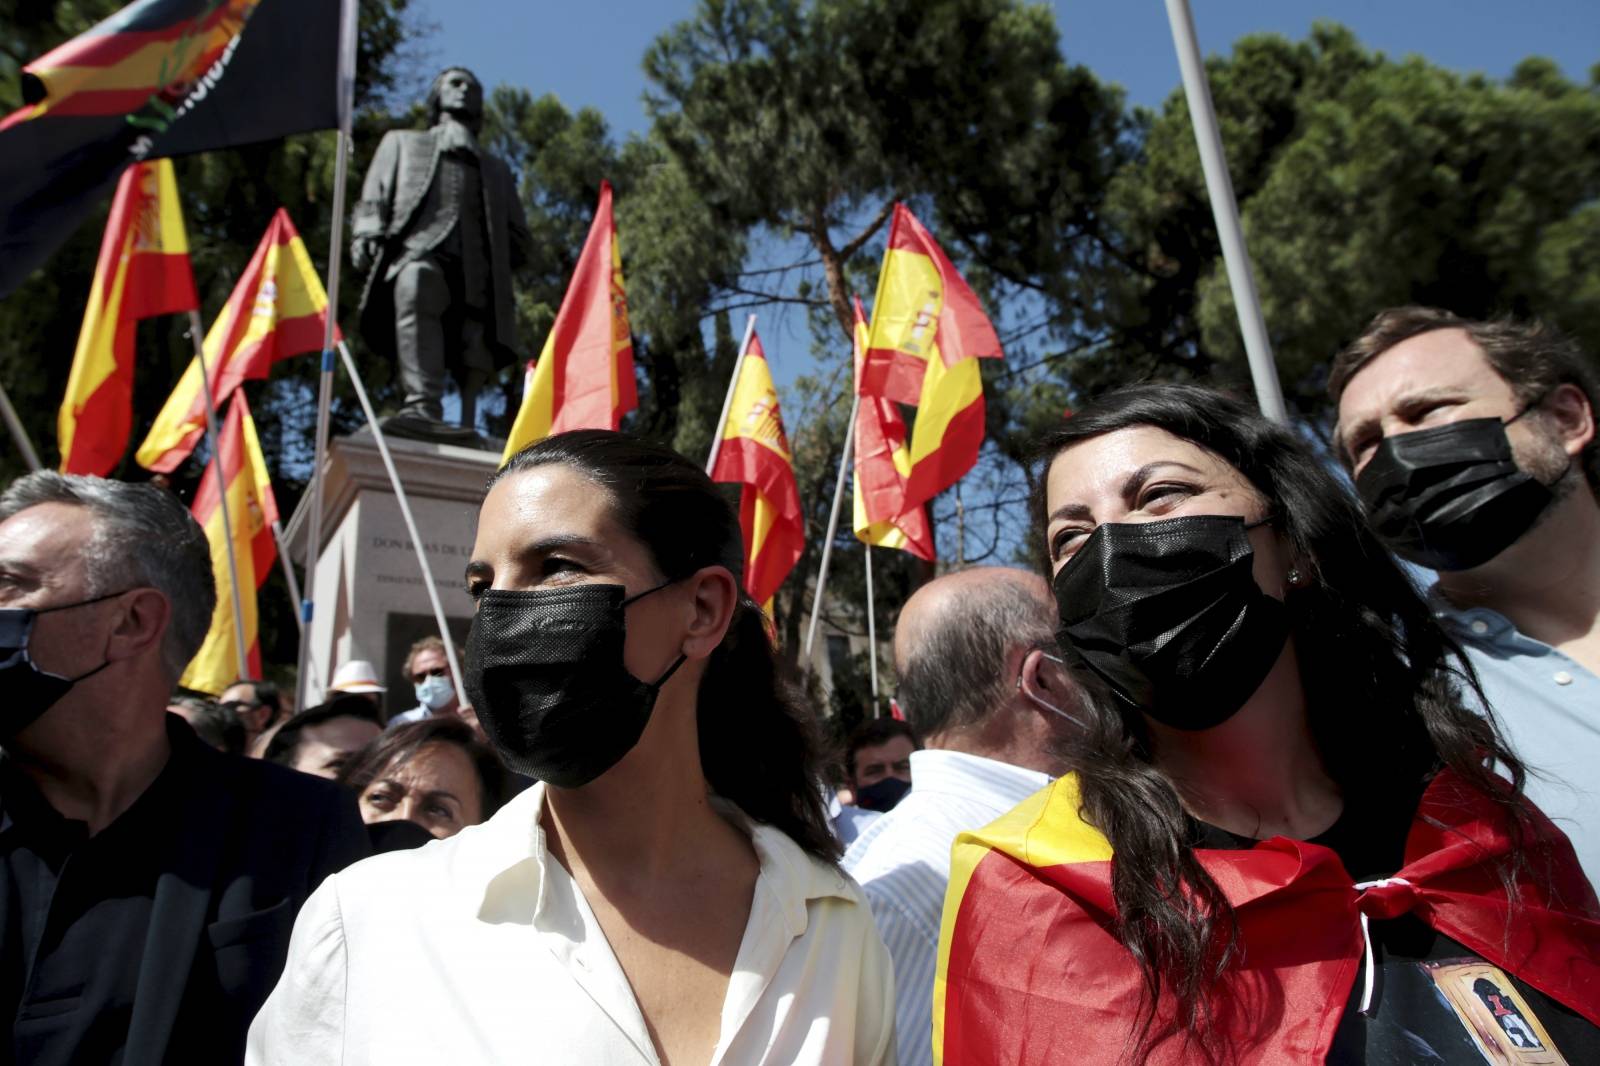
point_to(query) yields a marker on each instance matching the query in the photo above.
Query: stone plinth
(370, 599)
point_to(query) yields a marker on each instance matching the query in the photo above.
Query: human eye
(381, 799)
(1164, 495)
(1065, 541)
(560, 566)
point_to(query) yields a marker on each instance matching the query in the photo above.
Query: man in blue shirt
(1474, 451)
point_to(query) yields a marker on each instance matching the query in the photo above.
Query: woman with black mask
(668, 891)
(1283, 840)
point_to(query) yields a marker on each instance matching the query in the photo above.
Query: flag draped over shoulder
(928, 333)
(159, 78)
(755, 451)
(882, 464)
(584, 376)
(1028, 964)
(277, 311)
(143, 270)
(252, 510)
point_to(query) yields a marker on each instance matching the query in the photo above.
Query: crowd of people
(1266, 761)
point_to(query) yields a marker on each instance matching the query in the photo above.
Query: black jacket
(250, 841)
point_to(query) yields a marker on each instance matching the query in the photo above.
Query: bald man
(978, 683)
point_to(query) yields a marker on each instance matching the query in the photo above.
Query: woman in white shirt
(668, 892)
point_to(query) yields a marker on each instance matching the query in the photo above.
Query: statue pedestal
(371, 602)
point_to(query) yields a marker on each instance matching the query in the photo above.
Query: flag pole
(727, 403)
(1225, 209)
(19, 435)
(872, 634)
(346, 99)
(239, 647)
(288, 571)
(833, 526)
(411, 523)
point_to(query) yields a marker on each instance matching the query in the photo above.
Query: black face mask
(1170, 616)
(883, 794)
(29, 690)
(1450, 497)
(545, 675)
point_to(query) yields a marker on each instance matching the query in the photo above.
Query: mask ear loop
(1046, 704)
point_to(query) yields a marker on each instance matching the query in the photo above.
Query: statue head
(458, 91)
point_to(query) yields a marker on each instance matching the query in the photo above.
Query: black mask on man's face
(545, 674)
(882, 794)
(29, 690)
(1169, 615)
(1450, 497)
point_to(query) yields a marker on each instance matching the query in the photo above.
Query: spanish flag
(156, 79)
(882, 465)
(755, 451)
(584, 376)
(928, 333)
(277, 311)
(1028, 964)
(143, 270)
(251, 510)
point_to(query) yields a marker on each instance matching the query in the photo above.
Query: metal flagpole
(1225, 209)
(872, 634)
(19, 436)
(239, 647)
(288, 572)
(346, 95)
(727, 403)
(833, 527)
(411, 523)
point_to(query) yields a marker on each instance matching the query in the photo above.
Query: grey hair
(954, 675)
(143, 538)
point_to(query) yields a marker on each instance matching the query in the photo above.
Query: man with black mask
(1474, 452)
(148, 883)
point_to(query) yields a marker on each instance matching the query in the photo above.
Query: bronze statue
(442, 230)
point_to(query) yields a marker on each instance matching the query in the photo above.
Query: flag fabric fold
(143, 270)
(583, 378)
(277, 311)
(252, 509)
(927, 335)
(755, 452)
(882, 465)
(158, 78)
(1028, 964)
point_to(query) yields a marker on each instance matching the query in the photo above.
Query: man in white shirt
(991, 705)
(1474, 449)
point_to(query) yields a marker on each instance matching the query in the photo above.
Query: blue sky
(588, 55)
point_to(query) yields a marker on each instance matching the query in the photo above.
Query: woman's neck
(649, 816)
(1258, 774)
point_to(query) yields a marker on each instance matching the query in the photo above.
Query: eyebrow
(555, 542)
(1130, 487)
(1341, 435)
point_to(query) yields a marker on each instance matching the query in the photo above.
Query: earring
(1296, 578)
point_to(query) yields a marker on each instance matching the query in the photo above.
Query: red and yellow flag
(251, 510)
(882, 465)
(755, 451)
(928, 333)
(143, 270)
(924, 309)
(583, 378)
(277, 310)
(1028, 963)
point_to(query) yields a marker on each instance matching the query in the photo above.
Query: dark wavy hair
(1383, 695)
(759, 742)
(398, 746)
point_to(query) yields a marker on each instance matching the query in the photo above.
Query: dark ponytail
(759, 744)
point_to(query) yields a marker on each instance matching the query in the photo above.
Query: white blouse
(481, 949)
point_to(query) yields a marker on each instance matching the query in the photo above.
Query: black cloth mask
(546, 677)
(1169, 615)
(29, 690)
(883, 794)
(1450, 497)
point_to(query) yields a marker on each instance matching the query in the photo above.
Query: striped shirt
(902, 861)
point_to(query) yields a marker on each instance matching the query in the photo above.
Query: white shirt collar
(957, 773)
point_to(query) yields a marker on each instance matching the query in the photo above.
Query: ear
(1045, 681)
(1569, 409)
(138, 632)
(715, 596)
